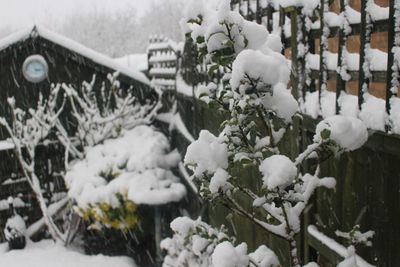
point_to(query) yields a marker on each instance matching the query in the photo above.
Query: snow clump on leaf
(226, 255)
(278, 171)
(349, 133)
(208, 153)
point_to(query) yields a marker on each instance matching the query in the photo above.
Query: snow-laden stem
(275, 230)
(306, 153)
(294, 259)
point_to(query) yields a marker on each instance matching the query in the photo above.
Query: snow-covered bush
(114, 159)
(119, 161)
(197, 244)
(254, 92)
(124, 172)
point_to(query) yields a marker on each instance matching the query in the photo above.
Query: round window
(35, 68)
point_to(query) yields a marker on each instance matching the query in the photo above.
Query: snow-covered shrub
(254, 92)
(124, 172)
(119, 161)
(197, 244)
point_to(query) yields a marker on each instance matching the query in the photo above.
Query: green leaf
(212, 69)
(325, 134)
(200, 39)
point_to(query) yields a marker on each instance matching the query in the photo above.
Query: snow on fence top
(331, 77)
(40, 31)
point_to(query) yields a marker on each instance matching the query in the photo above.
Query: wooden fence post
(363, 79)
(390, 63)
(340, 83)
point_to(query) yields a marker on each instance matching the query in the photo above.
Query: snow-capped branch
(28, 131)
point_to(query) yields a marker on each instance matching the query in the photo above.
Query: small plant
(123, 217)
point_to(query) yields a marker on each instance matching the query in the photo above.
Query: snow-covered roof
(134, 61)
(73, 46)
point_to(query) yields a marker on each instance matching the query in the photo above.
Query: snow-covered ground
(48, 254)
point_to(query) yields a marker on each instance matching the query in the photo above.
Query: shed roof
(73, 46)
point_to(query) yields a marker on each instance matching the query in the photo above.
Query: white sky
(19, 13)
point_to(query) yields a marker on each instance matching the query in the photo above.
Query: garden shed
(31, 60)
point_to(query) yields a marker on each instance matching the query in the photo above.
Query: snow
(395, 114)
(165, 57)
(377, 12)
(46, 253)
(161, 71)
(139, 162)
(192, 244)
(51, 211)
(74, 47)
(308, 4)
(208, 153)
(175, 122)
(166, 45)
(15, 227)
(182, 87)
(373, 112)
(353, 16)
(282, 102)
(134, 61)
(311, 264)
(348, 105)
(264, 257)
(376, 58)
(332, 19)
(182, 225)
(15, 37)
(268, 69)
(6, 145)
(278, 171)
(226, 255)
(219, 181)
(17, 203)
(333, 245)
(14, 181)
(348, 132)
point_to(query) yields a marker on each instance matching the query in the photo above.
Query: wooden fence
(368, 179)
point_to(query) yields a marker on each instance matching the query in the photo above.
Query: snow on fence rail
(162, 62)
